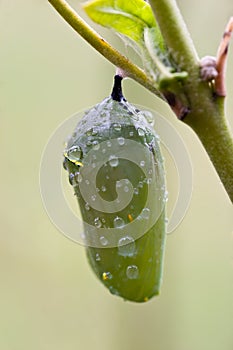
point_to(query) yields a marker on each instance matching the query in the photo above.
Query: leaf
(126, 17)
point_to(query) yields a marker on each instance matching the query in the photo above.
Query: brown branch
(221, 60)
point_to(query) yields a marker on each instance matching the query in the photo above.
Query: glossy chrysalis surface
(116, 170)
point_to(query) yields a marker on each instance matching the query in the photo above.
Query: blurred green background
(49, 297)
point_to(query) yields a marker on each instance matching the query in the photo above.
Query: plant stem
(103, 47)
(212, 129)
(175, 33)
(206, 115)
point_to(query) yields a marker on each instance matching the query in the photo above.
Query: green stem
(175, 33)
(213, 131)
(206, 115)
(103, 47)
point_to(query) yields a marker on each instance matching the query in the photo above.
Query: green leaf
(129, 18)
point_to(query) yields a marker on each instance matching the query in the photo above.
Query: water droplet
(113, 161)
(126, 189)
(103, 189)
(78, 177)
(136, 191)
(141, 132)
(131, 133)
(145, 213)
(103, 241)
(74, 153)
(87, 206)
(109, 143)
(126, 246)
(94, 132)
(118, 222)
(71, 178)
(97, 222)
(140, 184)
(149, 117)
(121, 141)
(117, 127)
(93, 198)
(113, 290)
(118, 184)
(132, 272)
(87, 182)
(106, 276)
(97, 257)
(104, 150)
(142, 163)
(96, 145)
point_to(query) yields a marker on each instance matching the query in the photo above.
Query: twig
(102, 46)
(221, 60)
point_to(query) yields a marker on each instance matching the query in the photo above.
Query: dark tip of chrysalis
(117, 89)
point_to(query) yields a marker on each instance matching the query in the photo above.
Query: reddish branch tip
(221, 60)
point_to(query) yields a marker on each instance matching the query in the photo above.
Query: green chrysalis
(116, 169)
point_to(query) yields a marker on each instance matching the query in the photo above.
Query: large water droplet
(126, 246)
(118, 222)
(132, 272)
(74, 153)
(113, 161)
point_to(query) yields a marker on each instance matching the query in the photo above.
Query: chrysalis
(116, 169)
